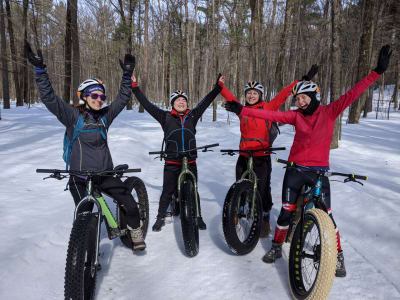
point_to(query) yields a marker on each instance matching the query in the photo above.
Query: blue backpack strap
(105, 123)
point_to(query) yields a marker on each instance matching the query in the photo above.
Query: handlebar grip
(131, 170)
(212, 145)
(228, 150)
(277, 149)
(156, 152)
(50, 171)
(359, 177)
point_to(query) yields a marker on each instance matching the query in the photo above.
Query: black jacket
(90, 151)
(179, 131)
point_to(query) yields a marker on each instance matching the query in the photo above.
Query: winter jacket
(179, 130)
(255, 131)
(90, 151)
(314, 133)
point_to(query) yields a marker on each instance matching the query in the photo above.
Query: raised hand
(128, 65)
(383, 59)
(218, 78)
(233, 106)
(36, 60)
(311, 73)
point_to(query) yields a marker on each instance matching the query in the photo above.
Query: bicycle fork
(185, 170)
(251, 175)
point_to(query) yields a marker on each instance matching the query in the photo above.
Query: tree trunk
(14, 57)
(75, 49)
(24, 67)
(282, 49)
(335, 63)
(146, 51)
(363, 58)
(67, 55)
(4, 64)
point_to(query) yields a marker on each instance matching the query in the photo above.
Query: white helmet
(177, 94)
(254, 85)
(87, 83)
(305, 87)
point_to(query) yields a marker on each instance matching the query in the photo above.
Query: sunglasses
(96, 96)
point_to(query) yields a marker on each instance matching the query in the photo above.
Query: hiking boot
(265, 228)
(201, 224)
(340, 268)
(137, 239)
(273, 254)
(160, 222)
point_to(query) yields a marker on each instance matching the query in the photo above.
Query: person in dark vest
(314, 125)
(179, 126)
(255, 134)
(90, 151)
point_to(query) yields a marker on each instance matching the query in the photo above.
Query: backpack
(77, 131)
(273, 132)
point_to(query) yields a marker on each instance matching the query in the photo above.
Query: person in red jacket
(314, 126)
(255, 134)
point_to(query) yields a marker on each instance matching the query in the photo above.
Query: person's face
(302, 101)
(180, 105)
(252, 97)
(97, 103)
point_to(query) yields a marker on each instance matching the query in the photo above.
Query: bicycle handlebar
(325, 173)
(185, 151)
(88, 173)
(252, 151)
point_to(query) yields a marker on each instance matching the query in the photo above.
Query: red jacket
(314, 133)
(255, 131)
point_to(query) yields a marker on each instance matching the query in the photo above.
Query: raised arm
(338, 106)
(207, 100)
(153, 110)
(65, 113)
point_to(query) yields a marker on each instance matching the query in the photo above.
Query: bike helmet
(305, 87)
(95, 84)
(175, 95)
(254, 85)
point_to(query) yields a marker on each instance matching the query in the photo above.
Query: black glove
(233, 106)
(36, 60)
(311, 73)
(383, 59)
(218, 77)
(128, 65)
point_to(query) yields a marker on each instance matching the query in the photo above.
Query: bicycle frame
(185, 171)
(251, 175)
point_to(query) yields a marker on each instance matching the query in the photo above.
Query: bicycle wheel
(190, 229)
(138, 189)
(312, 261)
(80, 271)
(241, 230)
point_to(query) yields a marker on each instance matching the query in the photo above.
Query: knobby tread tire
(190, 229)
(136, 184)
(229, 214)
(80, 282)
(327, 266)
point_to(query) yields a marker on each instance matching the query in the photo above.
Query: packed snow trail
(37, 215)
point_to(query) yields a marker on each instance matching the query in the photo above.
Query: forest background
(184, 44)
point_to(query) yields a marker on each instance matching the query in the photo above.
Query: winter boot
(273, 254)
(201, 224)
(160, 222)
(137, 239)
(340, 268)
(265, 228)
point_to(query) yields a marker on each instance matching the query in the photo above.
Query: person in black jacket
(90, 151)
(179, 126)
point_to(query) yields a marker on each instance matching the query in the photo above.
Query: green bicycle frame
(251, 175)
(185, 171)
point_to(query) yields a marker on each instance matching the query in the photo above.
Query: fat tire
(318, 221)
(190, 228)
(80, 278)
(229, 215)
(135, 184)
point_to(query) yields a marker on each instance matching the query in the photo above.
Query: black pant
(115, 188)
(170, 185)
(291, 189)
(262, 168)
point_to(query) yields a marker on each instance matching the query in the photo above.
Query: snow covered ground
(37, 215)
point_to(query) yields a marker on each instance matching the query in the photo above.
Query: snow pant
(115, 188)
(262, 168)
(170, 186)
(293, 182)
